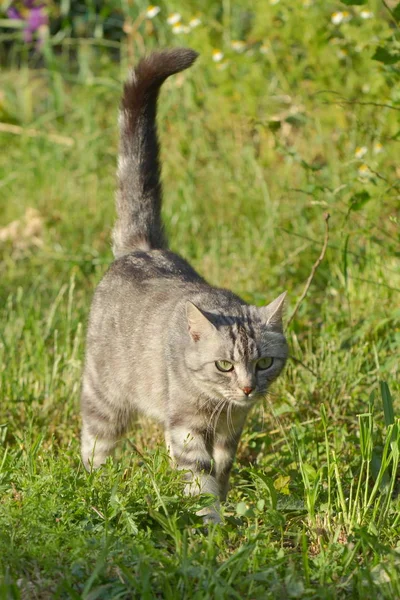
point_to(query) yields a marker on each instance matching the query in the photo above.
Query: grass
(255, 152)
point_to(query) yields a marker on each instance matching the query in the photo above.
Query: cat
(161, 341)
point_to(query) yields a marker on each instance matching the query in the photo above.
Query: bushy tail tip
(153, 70)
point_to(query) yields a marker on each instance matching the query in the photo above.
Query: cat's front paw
(210, 515)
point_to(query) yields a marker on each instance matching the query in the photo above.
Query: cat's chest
(228, 423)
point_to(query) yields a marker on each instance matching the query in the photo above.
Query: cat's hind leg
(102, 426)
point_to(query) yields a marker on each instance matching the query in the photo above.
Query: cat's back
(140, 267)
(142, 278)
(151, 284)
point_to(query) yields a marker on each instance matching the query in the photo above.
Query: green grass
(254, 154)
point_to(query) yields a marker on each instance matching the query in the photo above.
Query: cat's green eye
(265, 363)
(224, 365)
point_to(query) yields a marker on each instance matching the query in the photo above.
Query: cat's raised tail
(139, 225)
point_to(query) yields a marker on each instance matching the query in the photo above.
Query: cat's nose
(247, 390)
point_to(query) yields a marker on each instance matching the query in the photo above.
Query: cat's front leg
(224, 454)
(225, 445)
(189, 449)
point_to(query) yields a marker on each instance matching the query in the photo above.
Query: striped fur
(157, 330)
(139, 225)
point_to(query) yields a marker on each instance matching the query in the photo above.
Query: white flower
(340, 17)
(179, 28)
(378, 148)
(366, 14)
(238, 46)
(152, 11)
(217, 55)
(264, 49)
(360, 151)
(174, 18)
(342, 53)
(274, 2)
(194, 22)
(363, 171)
(336, 18)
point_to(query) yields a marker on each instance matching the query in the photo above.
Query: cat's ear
(198, 324)
(273, 312)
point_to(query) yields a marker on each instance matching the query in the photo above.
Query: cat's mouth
(244, 400)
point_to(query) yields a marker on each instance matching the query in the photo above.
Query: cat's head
(236, 356)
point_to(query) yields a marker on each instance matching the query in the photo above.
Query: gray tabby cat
(161, 340)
